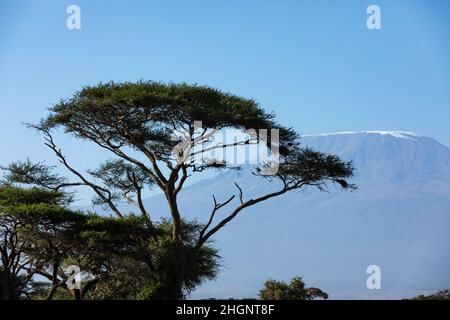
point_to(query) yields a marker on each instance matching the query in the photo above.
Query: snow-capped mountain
(388, 155)
(398, 219)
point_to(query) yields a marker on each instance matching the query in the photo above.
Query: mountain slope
(399, 219)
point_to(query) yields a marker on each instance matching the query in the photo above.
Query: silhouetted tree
(136, 123)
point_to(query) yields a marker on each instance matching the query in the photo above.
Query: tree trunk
(76, 293)
(54, 277)
(173, 206)
(180, 268)
(52, 292)
(6, 294)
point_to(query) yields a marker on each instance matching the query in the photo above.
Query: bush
(295, 290)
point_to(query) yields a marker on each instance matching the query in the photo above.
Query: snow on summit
(396, 134)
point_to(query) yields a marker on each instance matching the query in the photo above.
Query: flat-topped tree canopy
(146, 114)
(158, 120)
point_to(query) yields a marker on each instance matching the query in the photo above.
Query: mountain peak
(396, 134)
(400, 213)
(389, 155)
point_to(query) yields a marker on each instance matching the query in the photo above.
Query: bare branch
(241, 197)
(97, 189)
(145, 150)
(139, 198)
(217, 206)
(182, 180)
(242, 206)
(224, 146)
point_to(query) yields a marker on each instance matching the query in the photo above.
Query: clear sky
(314, 63)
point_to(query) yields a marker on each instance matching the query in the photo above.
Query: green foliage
(134, 257)
(441, 295)
(40, 291)
(20, 209)
(122, 178)
(27, 172)
(147, 112)
(153, 271)
(11, 196)
(163, 103)
(122, 258)
(295, 290)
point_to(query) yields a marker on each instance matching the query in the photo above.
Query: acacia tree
(137, 122)
(38, 235)
(17, 268)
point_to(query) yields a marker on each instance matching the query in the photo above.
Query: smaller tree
(17, 268)
(441, 295)
(120, 258)
(127, 257)
(295, 290)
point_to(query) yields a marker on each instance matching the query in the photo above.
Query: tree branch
(182, 180)
(97, 189)
(243, 205)
(217, 207)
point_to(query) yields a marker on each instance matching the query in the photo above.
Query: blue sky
(314, 63)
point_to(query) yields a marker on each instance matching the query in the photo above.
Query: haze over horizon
(397, 219)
